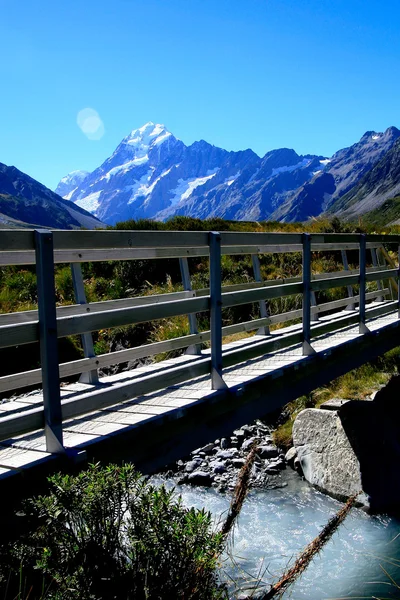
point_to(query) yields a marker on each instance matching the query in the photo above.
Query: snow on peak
(74, 176)
(148, 135)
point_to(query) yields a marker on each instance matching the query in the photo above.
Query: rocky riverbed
(217, 464)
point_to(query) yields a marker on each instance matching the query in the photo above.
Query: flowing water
(275, 525)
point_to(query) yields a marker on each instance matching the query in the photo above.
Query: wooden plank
(263, 293)
(19, 458)
(229, 238)
(17, 239)
(25, 333)
(126, 316)
(27, 257)
(328, 283)
(118, 393)
(128, 239)
(277, 342)
(95, 307)
(381, 274)
(21, 333)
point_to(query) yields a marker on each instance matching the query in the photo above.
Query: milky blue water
(275, 525)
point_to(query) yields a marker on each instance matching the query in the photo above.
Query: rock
(238, 462)
(248, 429)
(272, 471)
(297, 465)
(290, 456)
(234, 442)
(227, 454)
(267, 440)
(224, 444)
(207, 448)
(267, 451)
(218, 467)
(200, 478)
(192, 465)
(248, 443)
(239, 433)
(327, 459)
(277, 464)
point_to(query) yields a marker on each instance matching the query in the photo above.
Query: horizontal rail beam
(28, 378)
(27, 257)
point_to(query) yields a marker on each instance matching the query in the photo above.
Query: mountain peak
(149, 133)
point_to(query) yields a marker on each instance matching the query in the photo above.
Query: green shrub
(107, 533)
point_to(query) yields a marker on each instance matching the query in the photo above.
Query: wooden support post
(187, 285)
(375, 262)
(350, 292)
(314, 317)
(362, 326)
(264, 313)
(48, 341)
(307, 348)
(87, 340)
(217, 381)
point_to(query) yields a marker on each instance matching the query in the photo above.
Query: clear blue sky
(312, 75)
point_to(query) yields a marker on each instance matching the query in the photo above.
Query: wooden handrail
(80, 246)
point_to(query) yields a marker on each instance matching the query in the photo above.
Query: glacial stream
(275, 525)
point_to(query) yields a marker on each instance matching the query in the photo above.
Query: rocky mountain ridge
(152, 174)
(24, 200)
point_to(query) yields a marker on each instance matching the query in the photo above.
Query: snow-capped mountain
(152, 174)
(70, 183)
(340, 174)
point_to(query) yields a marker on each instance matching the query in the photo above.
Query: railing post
(307, 348)
(350, 292)
(363, 246)
(314, 316)
(264, 313)
(184, 266)
(375, 262)
(217, 381)
(48, 340)
(87, 340)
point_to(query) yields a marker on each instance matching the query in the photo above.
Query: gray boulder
(218, 467)
(192, 465)
(267, 451)
(247, 444)
(290, 456)
(227, 454)
(337, 455)
(200, 478)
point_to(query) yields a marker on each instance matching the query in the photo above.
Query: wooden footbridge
(158, 412)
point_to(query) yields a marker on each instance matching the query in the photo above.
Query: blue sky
(310, 75)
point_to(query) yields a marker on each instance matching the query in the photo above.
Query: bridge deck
(28, 452)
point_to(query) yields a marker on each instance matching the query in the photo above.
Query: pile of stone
(217, 464)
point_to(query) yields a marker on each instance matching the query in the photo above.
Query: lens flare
(90, 123)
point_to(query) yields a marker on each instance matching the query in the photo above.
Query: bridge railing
(45, 325)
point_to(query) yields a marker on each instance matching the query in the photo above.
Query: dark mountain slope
(379, 184)
(25, 199)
